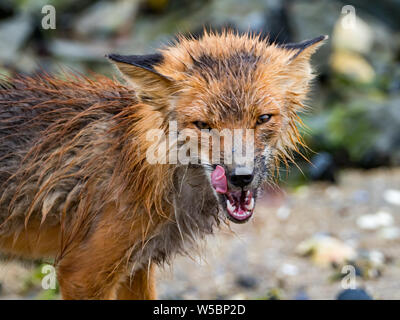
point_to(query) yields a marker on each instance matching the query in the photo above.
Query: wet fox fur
(75, 183)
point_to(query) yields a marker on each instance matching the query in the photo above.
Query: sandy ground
(258, 260)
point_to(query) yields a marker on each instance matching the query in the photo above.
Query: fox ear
(298, 71)
(304, 49)
(139, 71)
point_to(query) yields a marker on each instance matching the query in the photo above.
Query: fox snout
(241, 176)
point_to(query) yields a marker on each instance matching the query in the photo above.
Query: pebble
(375, 221)
(390, 233)
(283, 212)
(289, 269)
(326, 250)
(392, 196)
(376, 257)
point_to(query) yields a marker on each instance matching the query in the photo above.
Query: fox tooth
(230, 207)
(250, 206)
(246, 199)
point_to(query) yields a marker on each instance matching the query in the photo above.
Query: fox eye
(202, 125)
(264, 118)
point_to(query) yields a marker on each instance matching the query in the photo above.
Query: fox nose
(241, 177)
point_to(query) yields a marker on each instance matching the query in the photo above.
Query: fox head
(228, 82)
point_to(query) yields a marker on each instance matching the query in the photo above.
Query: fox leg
(81, 277)
(141, 286)
(93, 267)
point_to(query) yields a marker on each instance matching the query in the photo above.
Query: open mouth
(239, 204)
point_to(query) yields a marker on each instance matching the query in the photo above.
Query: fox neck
(193, 214)
(179, 198)
(146, 185)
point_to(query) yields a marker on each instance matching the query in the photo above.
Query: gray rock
(79, 51)
(13, 34)
(386, 118)
(106, 17)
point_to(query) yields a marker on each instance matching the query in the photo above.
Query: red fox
(76, 184)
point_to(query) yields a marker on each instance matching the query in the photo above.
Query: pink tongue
(218, 180)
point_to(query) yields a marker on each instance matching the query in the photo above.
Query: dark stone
(246, 281)
(301, 295)
(353, 294)
(323, 167)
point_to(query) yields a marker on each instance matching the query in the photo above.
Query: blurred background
(331, 225)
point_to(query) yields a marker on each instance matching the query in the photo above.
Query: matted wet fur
(75, 182)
